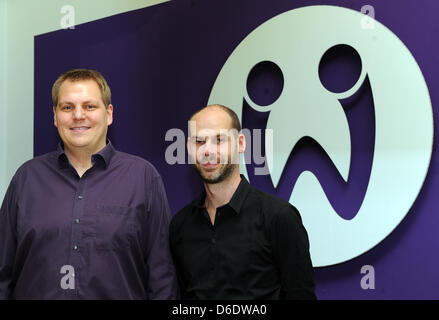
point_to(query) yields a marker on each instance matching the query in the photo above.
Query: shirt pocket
(115, 227)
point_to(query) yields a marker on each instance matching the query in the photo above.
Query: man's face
(213, 145)
(81, 116)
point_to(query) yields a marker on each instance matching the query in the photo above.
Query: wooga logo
(305, 108)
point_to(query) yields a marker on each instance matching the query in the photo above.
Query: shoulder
(35, 164)
(282, 219)
(49, 157)
(276, 208)
(133, 162)
(32, 169)
(131, 159)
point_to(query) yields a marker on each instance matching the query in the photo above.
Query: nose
(207, 148)
(78, 113)
(211, 147)
(207, 151)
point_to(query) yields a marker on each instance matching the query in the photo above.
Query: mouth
(209, 165)
(80, 129)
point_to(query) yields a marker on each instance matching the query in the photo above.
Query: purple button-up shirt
(101, 236)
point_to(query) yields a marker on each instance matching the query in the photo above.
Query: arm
(162, 282)
(8, 241)
(291, 254)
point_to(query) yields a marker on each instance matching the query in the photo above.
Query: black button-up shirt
(257, 249)
(107, 232)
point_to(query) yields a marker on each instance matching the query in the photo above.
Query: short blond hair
(78, 75)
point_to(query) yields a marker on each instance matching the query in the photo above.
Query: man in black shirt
(235, 241)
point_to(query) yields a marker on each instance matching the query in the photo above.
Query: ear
(54, 117)
(189, 145)
(241, 143)
(109, 114)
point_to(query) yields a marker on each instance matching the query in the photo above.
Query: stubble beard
(224, 173)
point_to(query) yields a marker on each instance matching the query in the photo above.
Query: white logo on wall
(295, 41)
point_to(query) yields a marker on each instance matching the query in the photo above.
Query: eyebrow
(85, 102)
(216, 136)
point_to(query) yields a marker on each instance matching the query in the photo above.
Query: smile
(79, 129)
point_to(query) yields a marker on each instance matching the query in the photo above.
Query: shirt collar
(237, 199)
(105, 155)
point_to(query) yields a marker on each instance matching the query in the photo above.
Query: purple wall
(161, 63)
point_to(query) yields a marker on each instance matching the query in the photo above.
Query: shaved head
(234, 120)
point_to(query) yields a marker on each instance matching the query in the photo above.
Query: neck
(220, 193)
(80, 158)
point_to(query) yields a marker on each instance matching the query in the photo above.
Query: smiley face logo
(306, 107)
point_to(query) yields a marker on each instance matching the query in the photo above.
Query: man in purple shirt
(85, 221)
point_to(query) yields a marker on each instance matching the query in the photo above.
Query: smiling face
(81, 116)
(214, 145)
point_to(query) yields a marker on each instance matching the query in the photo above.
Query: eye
(66, 108)
(90, 107)
(221, 139)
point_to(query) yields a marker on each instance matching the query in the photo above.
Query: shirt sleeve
(291, 254)
(162, 281)
(8, 240)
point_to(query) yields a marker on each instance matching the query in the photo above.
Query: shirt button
(75, 247)
(76, 221)
(80, 197)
